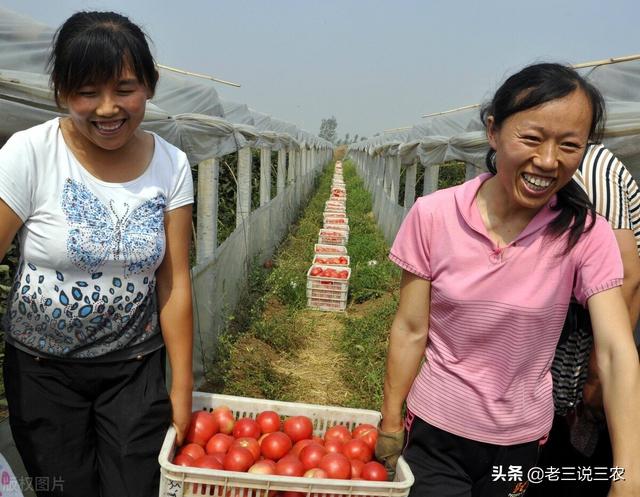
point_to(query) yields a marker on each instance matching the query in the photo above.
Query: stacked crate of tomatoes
(244, 447)
(328, 276)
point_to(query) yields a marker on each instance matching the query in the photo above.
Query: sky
(374, 65)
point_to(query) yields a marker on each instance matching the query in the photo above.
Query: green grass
(372, 273)
(364, 343)
(264, 327)
(375, 279)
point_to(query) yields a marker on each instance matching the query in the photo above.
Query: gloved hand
(388, 448)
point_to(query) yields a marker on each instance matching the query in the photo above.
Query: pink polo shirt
(496, 314)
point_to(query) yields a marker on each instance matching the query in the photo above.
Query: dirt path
(317, 367)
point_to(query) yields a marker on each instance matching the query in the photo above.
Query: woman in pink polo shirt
(489, 268)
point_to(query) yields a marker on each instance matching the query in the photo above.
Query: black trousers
(559, 453)
(88, 429)
(446, 465)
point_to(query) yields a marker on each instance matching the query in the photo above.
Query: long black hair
(93, 48)
(535, 85)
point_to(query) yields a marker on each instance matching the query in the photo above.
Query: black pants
(446, 465)
(88, 430)
(558, 453)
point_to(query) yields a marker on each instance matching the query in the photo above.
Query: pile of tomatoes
(267, 445)
(329, 272)
(332, 261)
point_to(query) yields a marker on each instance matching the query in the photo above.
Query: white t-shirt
(89, 249)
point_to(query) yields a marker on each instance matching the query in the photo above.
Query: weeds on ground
(263, 329)
(372, 273)
(364, 342)
(288, 282)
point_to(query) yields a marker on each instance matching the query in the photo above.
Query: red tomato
(357, 449)
(356, 468)
(192, 449)
(299, 445)
(219, 443)
(343, 260)
(264, 467)
(311, 455)
(225, 418)
(344, 274)
(336, 465)
(238, 459)
(201, 428)
(248, 443)
(333, 446)
(368, 433)
(298, 428)
(291, 493)
(219, 456)
(269, 421)
(316, 271)
(184, 460)
(316, 473)
(338, 432)
(374, 471)
(246, 427)
(289, 466)
(276, 445)
(207, 461)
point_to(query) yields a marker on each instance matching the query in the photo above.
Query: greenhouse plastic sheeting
(27, 100)
(459, 134)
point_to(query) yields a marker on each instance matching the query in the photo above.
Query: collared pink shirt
(496, 313)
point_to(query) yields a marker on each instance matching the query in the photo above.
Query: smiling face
(539, 149)
(107, 115)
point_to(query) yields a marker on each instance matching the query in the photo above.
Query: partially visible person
(102, 210)
(579, 436)
(489, 269)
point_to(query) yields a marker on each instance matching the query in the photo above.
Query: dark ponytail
(535, 85)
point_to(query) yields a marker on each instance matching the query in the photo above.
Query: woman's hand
(181, 409)
(389, 446)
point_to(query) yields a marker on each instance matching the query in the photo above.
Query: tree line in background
(328, 131)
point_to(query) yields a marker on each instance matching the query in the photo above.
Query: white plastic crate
(332, 218)
(181, 481)
(329, 249)
(337, 227)
(326, 304)
(335, 203)
(333, 237)
(327, 283)
(331, 259)
(326, 292)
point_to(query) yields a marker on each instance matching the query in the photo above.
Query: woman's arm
(10, 223)
(176, 320)
(592, 392)
(619, 372)
(407, 342)
(631, 263)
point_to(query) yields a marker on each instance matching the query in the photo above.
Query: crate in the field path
(333, 218)
(182, 481)
(332, 259)
(319, 248)
(338, 227)
(333, 237)
(324, 282)
(326, 304)
(337, 297)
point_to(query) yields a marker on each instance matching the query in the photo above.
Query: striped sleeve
(611, 188)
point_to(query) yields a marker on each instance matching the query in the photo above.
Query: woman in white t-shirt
(102, 210)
